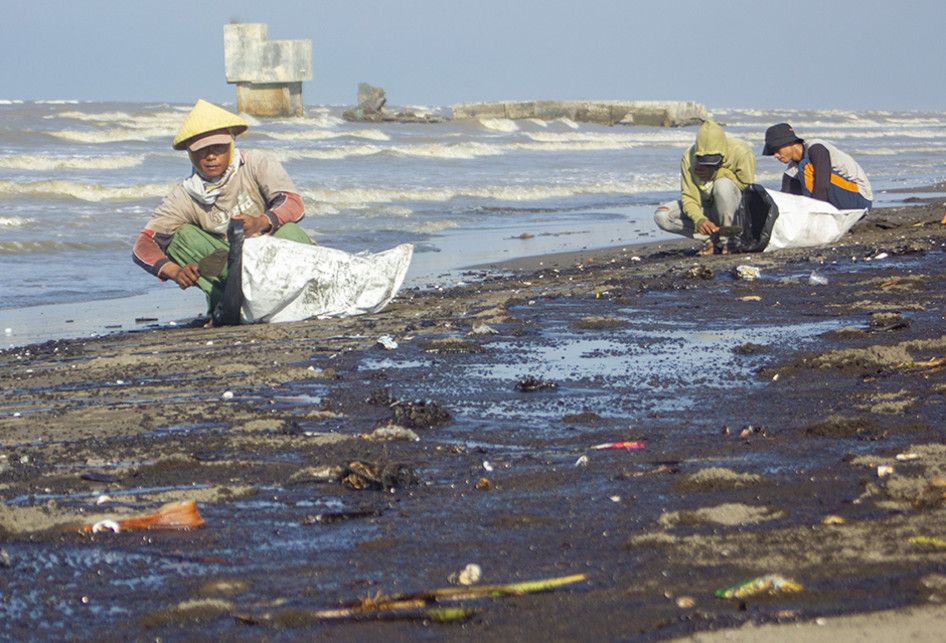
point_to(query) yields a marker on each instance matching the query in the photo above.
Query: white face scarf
(206, 192)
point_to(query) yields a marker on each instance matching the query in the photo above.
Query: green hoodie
(738, 165)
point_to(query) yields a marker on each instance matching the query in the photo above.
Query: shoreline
(435, 266)
(768, 409)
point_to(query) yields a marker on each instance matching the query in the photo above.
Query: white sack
(803, 221)
(288, 281)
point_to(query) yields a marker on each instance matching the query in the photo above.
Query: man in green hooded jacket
(713, 174)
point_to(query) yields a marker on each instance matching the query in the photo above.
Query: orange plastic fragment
(172, 516)
(619, 445)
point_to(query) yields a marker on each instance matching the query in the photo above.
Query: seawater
(78, 181)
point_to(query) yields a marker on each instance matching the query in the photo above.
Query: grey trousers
(720, 210)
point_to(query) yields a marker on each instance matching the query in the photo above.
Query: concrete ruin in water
(667, 113)
(268, 73)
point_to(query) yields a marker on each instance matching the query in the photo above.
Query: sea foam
(42, 162)
(83, 191)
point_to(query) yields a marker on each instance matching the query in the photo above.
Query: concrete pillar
(268, 73)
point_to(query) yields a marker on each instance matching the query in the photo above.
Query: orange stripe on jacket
(836, 179)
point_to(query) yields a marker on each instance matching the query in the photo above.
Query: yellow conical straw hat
(207, 117)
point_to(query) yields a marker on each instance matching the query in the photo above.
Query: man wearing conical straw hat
(226, 184)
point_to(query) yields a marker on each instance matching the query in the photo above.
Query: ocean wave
(567, 122)
(10, 101)
(49, 246)
(113, 135)
(674, 137)
(350, 198)
(83, 191)
(15, 222)
(40, 163)
(539, 122)
(499, 124)
(57, 101)
(473, 150)
(321, 134)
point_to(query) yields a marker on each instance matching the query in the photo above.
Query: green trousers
(190, 244)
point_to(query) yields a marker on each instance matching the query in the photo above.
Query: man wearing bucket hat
(818, 169)
(714, 173)
(226, 184)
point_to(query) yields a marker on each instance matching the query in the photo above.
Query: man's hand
(253, 226)
(707, 227)
(183, 276)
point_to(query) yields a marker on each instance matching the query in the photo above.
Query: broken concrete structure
(371, 101)
(653, 113)
(268, 73)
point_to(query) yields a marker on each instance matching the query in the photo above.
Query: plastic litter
(929, 541)
(582, 461)
(391, 432)
(768, 585)
(746, 273)
(619, 445)
(172, 516)
(469, 575)
(884, 470)
(387, 342)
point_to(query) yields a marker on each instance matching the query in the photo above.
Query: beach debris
(483, 329)
(636, 258)
(361, 475)
(751, 298)
(619, 446)
(685, 602)
(5, 561)
(699, 272)
(391, 432)
(933, 362)
(324, 473)
(106, 525)
(746, 273)
(768, 585)
(331, 517)
(227, 395)
(906, 457)
(103, 500)
(469, 575)
(387, 342)
(833, 520)
(419, 415)
(888, 321)
(750, 429)
(582, 461)
(483, 484)
(928, 541)
(943, 222)
(884, 470)
(450, 345)
(614, 498)
(816, 279)
(487, 466)
(95, 476)
(172, 516)
(531, 384)
(878, 256)
(421, 605)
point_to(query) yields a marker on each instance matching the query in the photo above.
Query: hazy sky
(872, 54)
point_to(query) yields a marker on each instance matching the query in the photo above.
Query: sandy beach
(789, 424)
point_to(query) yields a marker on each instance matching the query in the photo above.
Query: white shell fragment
(106, 525)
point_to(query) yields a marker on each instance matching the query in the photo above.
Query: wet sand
(789, 426)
